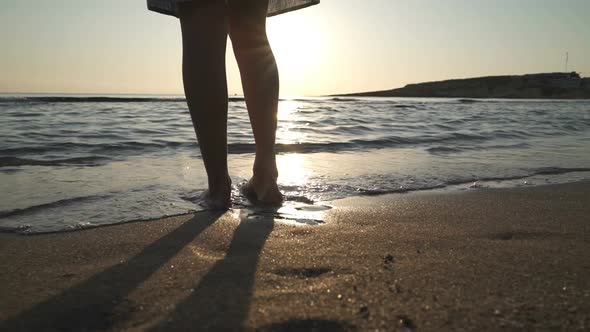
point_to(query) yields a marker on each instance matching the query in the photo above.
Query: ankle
(266, 169)
(219, 182)
(265, 173)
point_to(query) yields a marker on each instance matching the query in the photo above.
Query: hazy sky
(118, 46)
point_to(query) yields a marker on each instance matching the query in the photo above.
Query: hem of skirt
(293, 8)
(162, 11)
(172, 13)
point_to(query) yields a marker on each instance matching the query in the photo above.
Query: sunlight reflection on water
(287, 116)
(293, 170)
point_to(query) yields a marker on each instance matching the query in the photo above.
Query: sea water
(69, 162)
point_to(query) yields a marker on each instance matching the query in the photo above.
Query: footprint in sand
(295, 209)
(302, 273)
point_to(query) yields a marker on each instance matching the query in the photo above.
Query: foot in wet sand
(218, 197)
(263, 190)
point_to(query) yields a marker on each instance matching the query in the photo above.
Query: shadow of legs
(88, 306)
(221, 300)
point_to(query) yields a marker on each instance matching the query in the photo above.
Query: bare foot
(263, 191)
(218, 197)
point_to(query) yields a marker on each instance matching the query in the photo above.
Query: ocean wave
(80, 161)
(71, 99)
(59, 203)
(528, 174)
(100, 150)
(443, 150)
(21, 229)
(15, 156)
(469, 101)
(559, 170)
(399, 190)
(114, 99)
(99, 99)
(470, 180)
(343, 99)
(457, 149)
(403, 106)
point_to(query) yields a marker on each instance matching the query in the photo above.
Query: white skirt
(275, 7)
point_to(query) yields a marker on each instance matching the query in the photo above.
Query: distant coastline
(529, 86)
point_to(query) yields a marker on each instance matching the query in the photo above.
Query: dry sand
(490, 259)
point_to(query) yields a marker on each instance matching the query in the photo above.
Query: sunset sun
(295, 43)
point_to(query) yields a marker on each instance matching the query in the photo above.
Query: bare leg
(204, 38)
(260, 81)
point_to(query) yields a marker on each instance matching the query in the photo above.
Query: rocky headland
(529, 86)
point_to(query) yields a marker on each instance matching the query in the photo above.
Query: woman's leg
(204, 26)
(260, 81)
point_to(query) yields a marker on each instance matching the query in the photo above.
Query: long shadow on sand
(221, 299)
(89, 306)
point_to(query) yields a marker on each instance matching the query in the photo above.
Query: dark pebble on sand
(388, 261)
(364, 312)
(406, 322)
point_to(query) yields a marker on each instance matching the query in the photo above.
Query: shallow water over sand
(68, 163)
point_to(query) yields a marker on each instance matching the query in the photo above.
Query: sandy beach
(486, 259)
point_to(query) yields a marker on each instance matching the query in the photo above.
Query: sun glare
(296, 43)
(292, 170)
(287, 109)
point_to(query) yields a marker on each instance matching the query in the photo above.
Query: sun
(295, 42)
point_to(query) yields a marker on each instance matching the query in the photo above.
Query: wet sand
(489, 259)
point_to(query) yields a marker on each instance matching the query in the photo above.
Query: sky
(338, 46)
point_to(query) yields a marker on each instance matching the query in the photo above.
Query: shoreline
(474, 260)
(530, 181)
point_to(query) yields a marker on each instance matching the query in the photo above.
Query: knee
(247, 24)
(247, 36)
